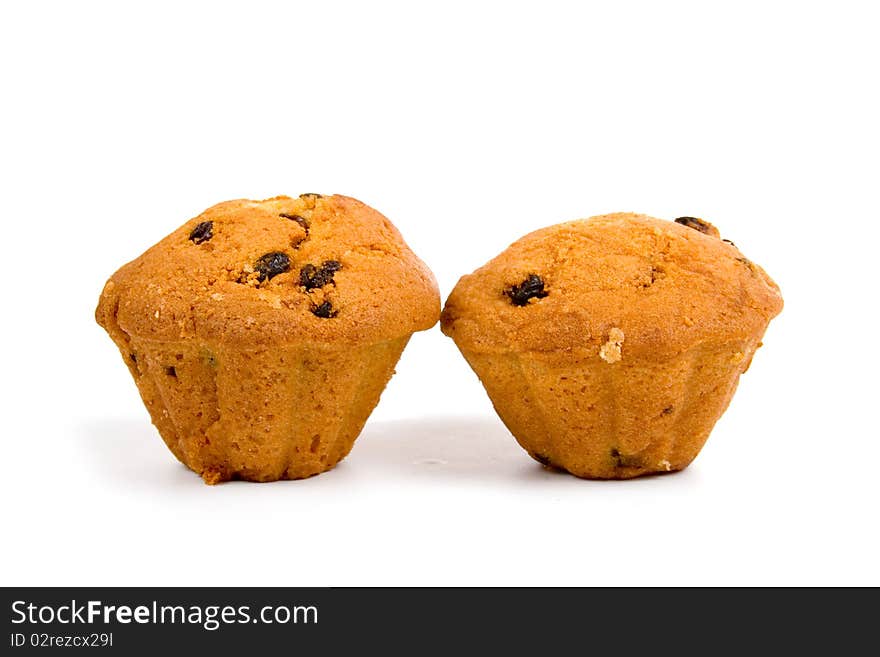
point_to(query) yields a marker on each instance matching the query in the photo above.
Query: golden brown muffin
(611, 346)
(261, 333)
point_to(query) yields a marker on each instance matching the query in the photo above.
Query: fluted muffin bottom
(286, 412)
(618, 420)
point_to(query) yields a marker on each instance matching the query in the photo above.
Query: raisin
(696, 224)
(311, 195)
(324, 311)
(300, 220)
(134, 358)
(729, 242)
(311, 277)
(667, 411)
(625, 460)
(202, 233)
(307, 276)
(171, 371)
(271, 264)
(532, 287)
(543, 460)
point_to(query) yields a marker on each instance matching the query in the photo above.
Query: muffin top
(313, 269)
(612, 284)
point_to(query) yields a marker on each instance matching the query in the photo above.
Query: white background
(468, 124)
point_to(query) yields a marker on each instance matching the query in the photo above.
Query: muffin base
(265, 414)
(601, 420)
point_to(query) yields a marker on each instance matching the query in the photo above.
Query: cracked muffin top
(612, 282)
(311, 269)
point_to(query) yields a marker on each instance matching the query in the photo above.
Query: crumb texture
(610, 352)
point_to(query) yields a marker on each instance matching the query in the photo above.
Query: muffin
(610, 346)
(260, 334)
